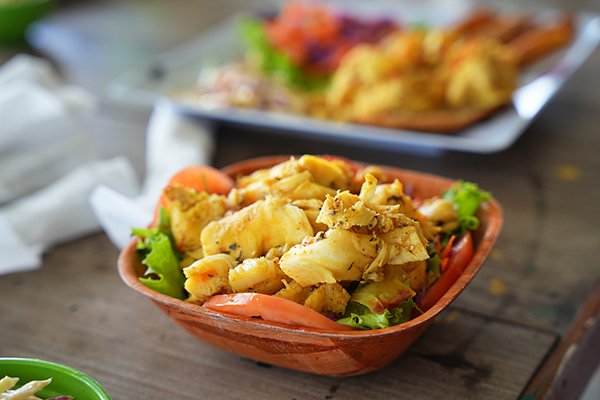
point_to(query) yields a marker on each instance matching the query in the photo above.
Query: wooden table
(527, 327)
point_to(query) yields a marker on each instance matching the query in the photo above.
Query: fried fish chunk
(253, 230)
(190, 212)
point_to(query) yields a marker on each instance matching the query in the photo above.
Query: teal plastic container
(66, 381)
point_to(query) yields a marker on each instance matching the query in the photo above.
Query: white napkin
(173, 141)
(47, 165)
(43, 133)
(57, 213)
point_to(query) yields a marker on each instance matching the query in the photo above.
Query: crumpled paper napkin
(48, 168)
(173, 141)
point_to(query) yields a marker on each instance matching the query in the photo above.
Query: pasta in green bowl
(28, 378)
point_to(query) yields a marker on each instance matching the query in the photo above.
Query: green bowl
(66, 381)
(17, 15)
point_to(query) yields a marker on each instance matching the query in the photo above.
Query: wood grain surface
(75, 310)
(509, 327)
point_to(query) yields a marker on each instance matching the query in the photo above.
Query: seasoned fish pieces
(415, 76)
(261, 275)
(253, 230)
(208, 276)
(190, 212)
(341, 255)
(308, 177)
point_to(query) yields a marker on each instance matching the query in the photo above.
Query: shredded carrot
(446, 252)
(437, 244)
(444, 264)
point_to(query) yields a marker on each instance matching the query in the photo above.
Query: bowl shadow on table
(332, 353)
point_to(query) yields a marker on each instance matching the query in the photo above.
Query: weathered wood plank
(75, 310)
(571, 364)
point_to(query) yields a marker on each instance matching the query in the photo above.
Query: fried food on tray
(441, 80)
(484, 22)
(311, 60)
(537, 42)
(422, 80)
(528, 40)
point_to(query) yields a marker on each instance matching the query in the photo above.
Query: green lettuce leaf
(272, 62)
(157, 252)
(467, 198)
(361, 317)
(434, 270)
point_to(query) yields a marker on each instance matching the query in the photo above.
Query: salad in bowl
(310, 248)
(309, 241)
(341, 242)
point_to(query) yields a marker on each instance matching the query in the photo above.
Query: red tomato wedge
(300, 25)
(460, 256)
(201, 178)
(273, 309)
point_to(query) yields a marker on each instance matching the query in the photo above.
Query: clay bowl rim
(128, 263)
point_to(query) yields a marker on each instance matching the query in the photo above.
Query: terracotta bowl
(333, 353)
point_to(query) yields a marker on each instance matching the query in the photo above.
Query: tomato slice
(201, 178)
(460, 256)
(273, 309)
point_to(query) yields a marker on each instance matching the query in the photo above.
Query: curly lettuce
(361, 317)
(466, 198)
(158, 253)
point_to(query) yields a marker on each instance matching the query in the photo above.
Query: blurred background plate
(179, 68)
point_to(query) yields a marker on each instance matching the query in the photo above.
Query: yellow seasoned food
(308, 177)
(328, 298)
(190, 212)
(208, 276)
(415, 72)
(482, 74)
(253, 230)
(311, 230)
(441, 212)
(261, 275)
(339, 255)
